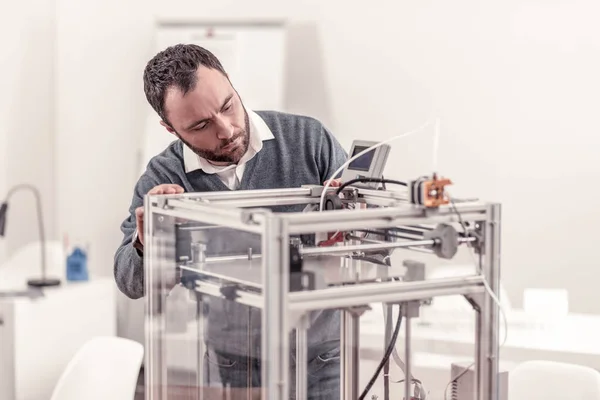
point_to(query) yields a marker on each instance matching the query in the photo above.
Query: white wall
(101, 52)
(26, 117)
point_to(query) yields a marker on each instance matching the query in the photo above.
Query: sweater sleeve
(332, 156)
(128, 261)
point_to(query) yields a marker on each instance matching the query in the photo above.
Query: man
(222, 146)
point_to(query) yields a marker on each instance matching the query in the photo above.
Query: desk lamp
(36, 282)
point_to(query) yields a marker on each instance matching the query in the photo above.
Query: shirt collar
(259, 133)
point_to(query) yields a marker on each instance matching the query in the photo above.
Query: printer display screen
(362, 163)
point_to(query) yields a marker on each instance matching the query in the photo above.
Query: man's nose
(224, 128)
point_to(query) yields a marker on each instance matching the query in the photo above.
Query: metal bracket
(315, 190)
(415, 271)
(476, 301)
(477, 233)
(299, 319)
(303, 280)
(187, 280)
(162, 202)
(299, 280)
(350, 195)
(194, 294)
(230, 292)
(411, 309)
(358, 311)
(253, 216)
(248, 218)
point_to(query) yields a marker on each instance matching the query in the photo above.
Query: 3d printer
(230, 252)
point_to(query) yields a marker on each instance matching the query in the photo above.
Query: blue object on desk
(77, 266)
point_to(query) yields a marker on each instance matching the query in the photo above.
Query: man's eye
(227, 107)
(200, 127)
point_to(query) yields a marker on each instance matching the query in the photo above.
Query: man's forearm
(129, 271)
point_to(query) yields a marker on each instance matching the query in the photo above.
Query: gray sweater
(303, 152)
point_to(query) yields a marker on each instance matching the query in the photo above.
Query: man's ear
(168, 127)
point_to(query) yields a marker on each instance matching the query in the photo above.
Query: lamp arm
(40, 217)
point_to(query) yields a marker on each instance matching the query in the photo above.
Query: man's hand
(139, 212)
(334, 182)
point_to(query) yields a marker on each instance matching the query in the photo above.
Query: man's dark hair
(175, 66)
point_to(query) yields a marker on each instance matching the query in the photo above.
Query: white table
(38, 337)
(442, 341)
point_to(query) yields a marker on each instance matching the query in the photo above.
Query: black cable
(386, 368)
(386, 356)
(366, 180)
(460, 220)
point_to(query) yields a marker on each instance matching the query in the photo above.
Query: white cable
(492, 295)
(344, 165)
(436, 145)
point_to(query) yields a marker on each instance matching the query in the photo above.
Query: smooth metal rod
(419, 249)
(307, 251)
(242, 257)
(384, 292)
(254, 256)
(310, 251)
(371, 247)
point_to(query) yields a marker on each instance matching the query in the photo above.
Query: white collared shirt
(231, 175)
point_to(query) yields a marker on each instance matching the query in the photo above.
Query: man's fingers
(174, 190)
(334, 182)
(166, 189)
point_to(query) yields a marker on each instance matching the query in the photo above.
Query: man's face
(211, 119)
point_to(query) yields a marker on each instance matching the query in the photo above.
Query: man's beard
(234, 155)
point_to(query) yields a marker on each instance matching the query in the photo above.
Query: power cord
(386, 356)
(420, 390)
(366, 180)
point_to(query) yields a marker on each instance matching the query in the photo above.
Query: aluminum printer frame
(283, 310)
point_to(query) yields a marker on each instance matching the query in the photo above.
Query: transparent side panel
(205, 344)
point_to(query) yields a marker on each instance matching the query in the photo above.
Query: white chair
(548, 380)
(104, 368)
